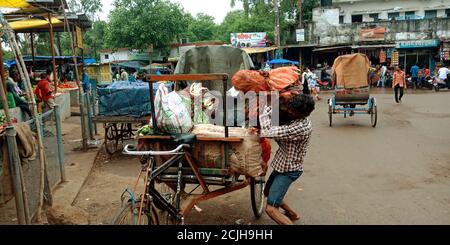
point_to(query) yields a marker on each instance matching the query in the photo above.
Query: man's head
(43, 76)
(301, 106)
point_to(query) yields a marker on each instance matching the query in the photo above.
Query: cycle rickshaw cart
(161, 203)
(351, 76)
(118, 129)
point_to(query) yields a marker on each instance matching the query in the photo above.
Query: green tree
(94, 39)
(237, 21)
(201, 28)
(139, 23)
(90, 7)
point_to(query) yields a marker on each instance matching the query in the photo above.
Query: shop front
(376, 53)
(424, 53)
(445, 53)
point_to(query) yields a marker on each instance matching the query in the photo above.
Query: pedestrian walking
(399, 84)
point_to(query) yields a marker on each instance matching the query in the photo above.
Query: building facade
(393, 32)
(356, 11)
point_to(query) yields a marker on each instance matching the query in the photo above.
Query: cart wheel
(111, 140)
(330, 113)
(374, 113)
(257, 195)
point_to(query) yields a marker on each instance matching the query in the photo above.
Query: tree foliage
(90, 7)
(139, 23)
(200, 28)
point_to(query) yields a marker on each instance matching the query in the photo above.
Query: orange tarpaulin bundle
(351, 71)
(275, 80)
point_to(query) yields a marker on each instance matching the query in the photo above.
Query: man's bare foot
(292, 216)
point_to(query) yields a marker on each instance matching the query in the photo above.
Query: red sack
(281, 78)
(275, 80)
(246, 80)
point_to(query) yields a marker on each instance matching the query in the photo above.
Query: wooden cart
(181, 168)
(119, 129)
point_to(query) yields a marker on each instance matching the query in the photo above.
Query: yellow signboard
(395, 60)
(79, 37)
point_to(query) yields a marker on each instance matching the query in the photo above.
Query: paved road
(398, 173)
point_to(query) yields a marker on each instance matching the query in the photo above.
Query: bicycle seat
(188, 139)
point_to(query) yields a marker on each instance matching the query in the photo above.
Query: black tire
(111, 139)
(126, 215)
(257, 195)
(330, 115)
(374, 113)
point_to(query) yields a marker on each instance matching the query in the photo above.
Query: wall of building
(116, 56)
(322, 35)
(383, 7)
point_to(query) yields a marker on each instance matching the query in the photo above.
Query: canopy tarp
(214, 59)
(49, 58)
(32, 23)
(351, 71)
(283, 62)
(14, 4)
(258, 50)
(131, 64)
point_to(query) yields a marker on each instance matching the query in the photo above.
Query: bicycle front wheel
(129, 215)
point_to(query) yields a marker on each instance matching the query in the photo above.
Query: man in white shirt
(124, 76)
(382, 80)
(443, 76)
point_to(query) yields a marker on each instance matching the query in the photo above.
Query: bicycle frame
(159, 201)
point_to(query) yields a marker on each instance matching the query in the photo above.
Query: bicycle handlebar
(130, 150)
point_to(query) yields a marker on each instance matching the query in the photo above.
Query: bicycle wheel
(111, 140)
(257, 195)
(374, 113)
(127, 215)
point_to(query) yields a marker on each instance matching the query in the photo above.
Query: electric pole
(277, 23)
(300, 25)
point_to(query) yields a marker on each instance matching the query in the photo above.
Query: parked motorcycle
(438, 84)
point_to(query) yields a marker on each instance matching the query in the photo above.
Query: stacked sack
(178, 111)
(284, 80)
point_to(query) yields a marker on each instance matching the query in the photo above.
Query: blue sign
(418, 44)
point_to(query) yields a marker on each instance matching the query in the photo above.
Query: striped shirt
(293, 141)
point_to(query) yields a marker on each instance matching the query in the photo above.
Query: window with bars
(357, 18)
(430, 14)
(393, 16)
(375, 17)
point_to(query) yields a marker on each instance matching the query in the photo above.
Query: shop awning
(283, 62)
(32, 23)
(14, 4)
(331, 48)
(374, 46)
(258, 50)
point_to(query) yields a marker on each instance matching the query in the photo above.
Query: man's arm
(286, 132)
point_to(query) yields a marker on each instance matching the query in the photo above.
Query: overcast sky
(216, 8)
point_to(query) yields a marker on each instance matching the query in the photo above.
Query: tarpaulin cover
(123, 98)
(283, 62)
(214, 59)
(351, 71)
